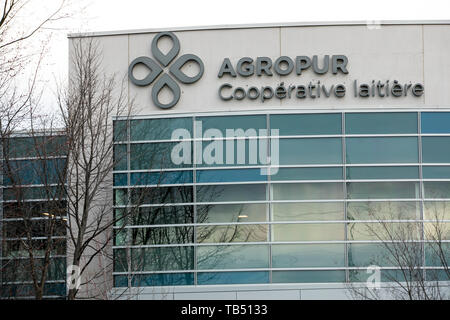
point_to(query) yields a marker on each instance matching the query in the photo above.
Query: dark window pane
(435, 122)
(156, 155)
(120, 179)
(163, 215)
(437, 210)
(120, 130)
(310, 151)
(437, 189)
(388, 231)
(308, 211)
(26, 172)
(308, 276)
(307, 124)
(382, 190)
(158, 178)
(308, 191)
(365, 173)
(308, 255)
(158, 129)
(436, 149)
(232, 257)
(378, 123)
(368, 254)
(382, 150)
(120, 157)
(161, 195)
(205, 278)
(286, 174)
(163, 279)
(155, 236)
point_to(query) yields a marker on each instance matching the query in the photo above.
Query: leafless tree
(413, 252)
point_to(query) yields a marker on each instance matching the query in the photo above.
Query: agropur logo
(174, 70)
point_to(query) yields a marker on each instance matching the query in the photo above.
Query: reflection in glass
(388, 231)
(368, 254)
(437, 189)
(243, 192)
(232, 233)
(156, 155)
(232, 257)
(158, 129)
(235, 175)
(163, 215)
(382, 150)
(120, 157)
(308, 255)
(308, 232)
(155, 236)
(382, 190)
(308, 211)
(437, 210)
(161, 195)
(158, 178)
(383, 210)
(365, 173)
(223, 213)
(307, 191)
(311, 151)
(436, 149)
(162, 259)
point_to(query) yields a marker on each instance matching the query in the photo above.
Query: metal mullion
(421, 189)
(344, 172)
(194, 194)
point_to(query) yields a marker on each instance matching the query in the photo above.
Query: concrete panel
(269, 295)
(206, 296)
(324, 294)
(437, 65)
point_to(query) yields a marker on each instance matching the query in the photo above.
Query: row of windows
(259, 257)
(292, 124)
(303, 151)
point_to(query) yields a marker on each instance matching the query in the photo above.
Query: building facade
(261, 159)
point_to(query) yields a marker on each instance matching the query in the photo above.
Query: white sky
(104, 15)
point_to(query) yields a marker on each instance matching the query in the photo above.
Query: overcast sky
(104, 15)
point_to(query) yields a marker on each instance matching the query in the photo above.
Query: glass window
(120, 197)
(383, 231)
(307, 191)
(437, 231)
(223, 213)
(308, 232)
(120, 157)
(434, 172)
(120, 260)
(232, 257)
(50, 193)
(205, 278)
(162, 279)
(158, 129)
(156, 155)
(162, 259)
(382, 190)
(437, 189)
(158, 178)
(382, 150)
(321, 211)
(286, 174)
(369, 254)
(311, 151)
(379, 123)
(27, 147)
(437, 210)
(120, 130)
(436, 149)
(120, 179)
(161, 195)
(223, 123)
(383, 210)
(308, 255)
(308, 276)
(29, 172)
(437, 254)
(155, 236)
(228, 153)
(219, 193)
(236, 175)
(232, 233)
(163, 215)
(435, 122)
(363, 173)
(307, 124)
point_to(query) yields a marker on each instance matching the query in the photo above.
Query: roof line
(261, 25)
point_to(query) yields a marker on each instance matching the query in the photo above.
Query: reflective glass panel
(436, 149)
(434, 172)
(223, 213)
(307, 124)
(219, 193)
(389, 231)
(437, 189)
(236, 175)
(382, 190)
(307, 191)
(310, 151)
(120, 157)
(222, 123)
(382, 150)
(383, 210)
(308, 211)
(163, 215)
(232, 257)
(232, 233)
(366, 173)
(158, 129)
(308, 255)
(156, 155)
(286, 174)
(158, 178)
(308, 232)
(155, 236)
(162, 259)
(308, 276)
(205, 278)
(379, 123)
(437, 210)
(435, 122)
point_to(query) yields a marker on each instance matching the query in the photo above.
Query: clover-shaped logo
(156, 70)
